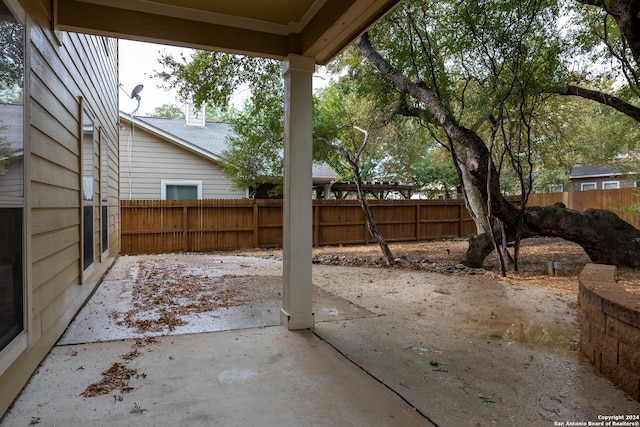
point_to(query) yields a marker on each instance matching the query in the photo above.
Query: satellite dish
(135, 92)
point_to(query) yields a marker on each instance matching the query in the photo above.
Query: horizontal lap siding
(57, 75)
(154, 159)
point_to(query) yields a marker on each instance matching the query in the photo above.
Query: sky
(138, 63)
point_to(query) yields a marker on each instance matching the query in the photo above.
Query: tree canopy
(483, 80)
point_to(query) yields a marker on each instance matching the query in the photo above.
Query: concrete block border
(609, 320)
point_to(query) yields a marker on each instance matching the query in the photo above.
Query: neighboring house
(169, 159)
(11, 150)
(59, 209)
(583, 178)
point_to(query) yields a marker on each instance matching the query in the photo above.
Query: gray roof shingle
(594, 172)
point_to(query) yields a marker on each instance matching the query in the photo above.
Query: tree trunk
(371, 223)
(473, 198)
(627, 15)
(364, 204)
(604, 236)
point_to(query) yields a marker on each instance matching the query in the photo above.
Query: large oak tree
(508, 56)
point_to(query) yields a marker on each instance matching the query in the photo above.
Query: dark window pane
(182, 192)
(11, 299)
(87, 240)
(105, 228)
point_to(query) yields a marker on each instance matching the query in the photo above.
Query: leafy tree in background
(480, 73)
(255, 153)
(434, 174)
(477, 77)
(12, 54)
(168, 111)
(347, 121)
(11, 77)
(605, 36)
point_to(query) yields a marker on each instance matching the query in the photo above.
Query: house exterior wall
(576, 183)
(146, 160)
(65, 74)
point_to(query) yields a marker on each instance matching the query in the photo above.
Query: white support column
(296, 310)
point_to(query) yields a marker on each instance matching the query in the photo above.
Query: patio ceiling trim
(319, 30)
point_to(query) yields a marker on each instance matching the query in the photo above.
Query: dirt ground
(462, 346)
(444, 256)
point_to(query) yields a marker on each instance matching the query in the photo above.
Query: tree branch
(477, 152)
(601, 97)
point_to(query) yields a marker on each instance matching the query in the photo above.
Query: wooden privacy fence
(158, 226)
(613, 200)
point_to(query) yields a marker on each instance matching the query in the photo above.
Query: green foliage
(550, 179)
(635, 210)
(488, 62)
(168, 111)
(212, 77)
(599, 41)
(12, 54)
(434, 174)
(255, 153)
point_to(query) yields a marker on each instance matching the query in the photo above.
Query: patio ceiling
(276, 28)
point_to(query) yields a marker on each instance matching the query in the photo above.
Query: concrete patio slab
(260, 281)
(389, 347)
(253, 377)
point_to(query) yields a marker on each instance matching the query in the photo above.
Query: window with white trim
(585, 186)
(88, 203)
(104, 191)
(611, 185)
(180, 189)
(12, 114)
(556, 188)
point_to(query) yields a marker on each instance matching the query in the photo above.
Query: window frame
(14, 348)
(584, 184)
(555, 188)
(604, 185)
(180, 182)
(103, 143)
(87, 236)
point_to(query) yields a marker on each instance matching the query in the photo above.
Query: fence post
(316, 225)
(366, 229)
(417, 221)
(256, 224)
(185, 230)
(460, 222)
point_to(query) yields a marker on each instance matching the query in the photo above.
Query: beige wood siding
(64, 71)
(147, 159)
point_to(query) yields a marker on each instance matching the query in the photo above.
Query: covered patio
(390, 347)
(301, 33)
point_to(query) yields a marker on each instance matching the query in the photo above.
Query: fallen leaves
(115, 378)
(164, 293)
(167, 291)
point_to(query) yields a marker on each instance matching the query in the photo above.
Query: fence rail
(158, 226)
